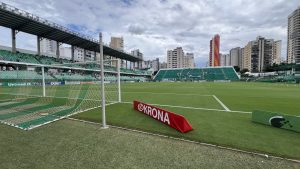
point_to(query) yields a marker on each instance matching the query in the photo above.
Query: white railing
(28, 15)
(43, 21)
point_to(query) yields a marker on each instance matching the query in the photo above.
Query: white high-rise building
(80, 55)
(189, 61)
(235, 57)
(177, 59)
(277, 52)
(65, 53)
(293, 42)
(48, 47)
(140, 55)
(224, 60)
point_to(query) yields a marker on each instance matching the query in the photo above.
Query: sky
(155, 26)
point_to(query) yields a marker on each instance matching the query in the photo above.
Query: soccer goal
(32, 95)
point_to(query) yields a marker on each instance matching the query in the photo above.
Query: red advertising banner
(173, 120)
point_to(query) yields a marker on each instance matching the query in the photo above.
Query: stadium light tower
(104, 126)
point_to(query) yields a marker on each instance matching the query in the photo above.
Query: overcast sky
(155, 26)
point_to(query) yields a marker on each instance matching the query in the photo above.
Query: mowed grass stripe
(19, 114)
(71, 144)
(178, 100)
(27, 101)
(226, 129)
(55, 115)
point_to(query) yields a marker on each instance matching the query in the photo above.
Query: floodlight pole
(119, 80)
(44, 86)
(104, 126)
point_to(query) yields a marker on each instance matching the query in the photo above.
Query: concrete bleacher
(45, 60)
(197, 74)
(17, 57)
(23, 75)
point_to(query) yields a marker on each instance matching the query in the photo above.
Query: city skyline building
(214, 52)
(257, 55)
(178, 59)
(293, 38)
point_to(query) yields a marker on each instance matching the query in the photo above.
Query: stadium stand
(276, 78)
(29, 58)
(197, 74)
(18, 57)
(62, 76)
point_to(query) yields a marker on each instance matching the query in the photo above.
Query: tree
(243, 71)
(236, 68)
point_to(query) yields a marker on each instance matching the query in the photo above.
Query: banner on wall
(277, 120)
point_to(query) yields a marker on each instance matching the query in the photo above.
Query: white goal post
(59, 90)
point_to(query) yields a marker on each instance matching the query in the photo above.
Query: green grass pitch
(72, 144)
(232, 129)
(211, 123)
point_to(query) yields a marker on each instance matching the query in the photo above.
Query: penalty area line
(194, 108)
(221, 103)
(178, 94)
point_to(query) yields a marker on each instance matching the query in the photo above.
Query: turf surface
(71, 144)
(217, 127)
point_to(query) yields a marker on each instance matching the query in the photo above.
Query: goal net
(32, 95)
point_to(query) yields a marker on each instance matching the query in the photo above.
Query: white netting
(28, 101)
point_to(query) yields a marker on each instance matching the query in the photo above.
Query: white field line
(14, 99)
(171, 94)
(194, 108)
(28, 96)
(38, 96)
(190, 141)
(221, 103)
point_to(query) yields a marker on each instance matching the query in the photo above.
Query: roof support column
(126, 65)
(72, 53)
(57, 49)
(13, 41)
(38, 40)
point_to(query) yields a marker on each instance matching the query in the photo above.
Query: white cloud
(158, 25)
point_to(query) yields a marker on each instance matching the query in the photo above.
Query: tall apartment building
(259, 54)
(154, 64)
(235, 57)
(214, 52)
(48, 47)
(224, 60)
(140, 55)
(117, 43)
(293, 42)
(189, 61)
(277, 52)
(246, 54)
(177, 59)
(151, 64)
(163, 65)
